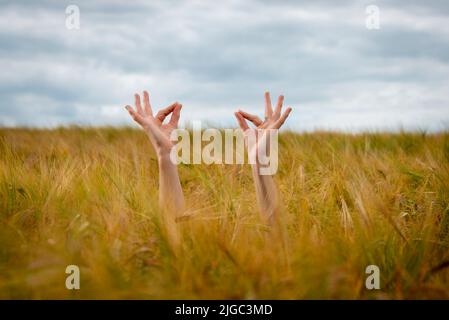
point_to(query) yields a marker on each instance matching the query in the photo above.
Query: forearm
(267, 194)
(266, 189)
(171, 197)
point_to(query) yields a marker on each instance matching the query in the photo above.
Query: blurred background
(336, 71)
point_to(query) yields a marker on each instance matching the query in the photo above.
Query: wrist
(163, 156)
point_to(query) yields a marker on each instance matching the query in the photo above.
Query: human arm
(267, 193)
(171, 197)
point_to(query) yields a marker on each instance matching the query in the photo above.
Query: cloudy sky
(217, 56)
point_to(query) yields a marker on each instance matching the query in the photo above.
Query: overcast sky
(217, 56)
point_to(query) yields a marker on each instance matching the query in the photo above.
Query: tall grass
(89, 197)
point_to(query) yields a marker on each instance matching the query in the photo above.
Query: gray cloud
(218, 56)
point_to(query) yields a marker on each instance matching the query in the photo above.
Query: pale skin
(171, 196)
(266, 189)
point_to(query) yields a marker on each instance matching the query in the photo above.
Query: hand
(157, 131)
(273, 120)
(266, 189)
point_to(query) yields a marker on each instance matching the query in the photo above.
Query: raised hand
(171, 198)
(266, 189)
(273, 120)
(157, 131)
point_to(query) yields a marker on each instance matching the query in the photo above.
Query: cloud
(216, 57)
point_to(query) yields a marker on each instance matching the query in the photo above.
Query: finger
(268, 108)
(137, 117)
(278, 109)
(282, 119)
(162, 114)
(174, 119)
(253, 118)
(146, 104)
(137, 103)
(242, 122)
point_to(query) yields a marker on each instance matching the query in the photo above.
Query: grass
(89, 197)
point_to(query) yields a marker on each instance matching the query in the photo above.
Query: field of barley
(88, 197)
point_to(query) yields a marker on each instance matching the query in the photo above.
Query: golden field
(88, 196)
